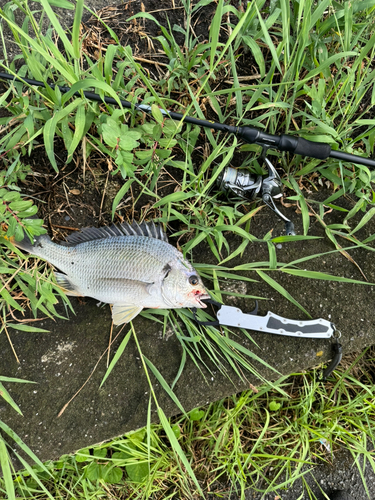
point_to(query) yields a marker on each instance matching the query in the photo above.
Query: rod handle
(301, 146)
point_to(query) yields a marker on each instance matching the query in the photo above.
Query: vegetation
(262, 440)
(314, 77)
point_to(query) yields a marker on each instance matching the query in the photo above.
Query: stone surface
(61, 361)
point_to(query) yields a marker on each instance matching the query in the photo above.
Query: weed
(261, 439)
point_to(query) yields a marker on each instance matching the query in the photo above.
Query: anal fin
(123, 313)
(67, 286)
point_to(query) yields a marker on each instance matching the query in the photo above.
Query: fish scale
(125, 257)
(128, 266)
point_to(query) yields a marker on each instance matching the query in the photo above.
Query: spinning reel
(249, 186)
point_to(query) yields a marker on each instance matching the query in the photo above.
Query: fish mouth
(199, 298)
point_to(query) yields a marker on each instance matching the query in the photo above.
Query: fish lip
(203, 296)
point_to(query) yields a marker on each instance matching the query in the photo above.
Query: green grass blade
(317, 275)
(296, 237)
(119, 196)
(7, 397)
(34, 475)
(180, 369)
(5, 468)
(239, 347)
(50, 129)
(257, 53)
(164, 384)
(348, 16)
(19, 380)
(5, 428)
(62, 4)
(238, 93)
(76, 28)
(272, 254)
(327, 64)
(108, 63)
(117, 356)
(79, 124)
(214, 32)
(9, 300)
(26, 328)
(268, 41)
(279, 288)
(365, 219)
(285, 17)
(57, 26)
(173, 198)
(177, 448)
(88, 84)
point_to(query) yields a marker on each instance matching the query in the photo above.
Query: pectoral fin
(122, 313)
(67, 285)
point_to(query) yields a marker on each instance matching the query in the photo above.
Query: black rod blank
(340, 155)
(283, 142)
(127, 104)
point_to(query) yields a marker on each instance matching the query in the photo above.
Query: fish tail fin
(67, 285)
(26, 245)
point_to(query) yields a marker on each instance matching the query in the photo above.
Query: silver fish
(128, 266)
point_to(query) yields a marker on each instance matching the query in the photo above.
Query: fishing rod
(237, 181)
(251, 135)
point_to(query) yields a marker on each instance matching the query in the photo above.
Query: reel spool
(249, 186)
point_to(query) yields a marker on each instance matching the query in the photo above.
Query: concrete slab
(62, 360)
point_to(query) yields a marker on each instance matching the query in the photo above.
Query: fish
(130, 266)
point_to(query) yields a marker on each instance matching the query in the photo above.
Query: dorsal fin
(148, 229)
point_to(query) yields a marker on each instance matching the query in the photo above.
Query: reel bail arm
(273, 189)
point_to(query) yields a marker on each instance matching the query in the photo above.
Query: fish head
(183, 287)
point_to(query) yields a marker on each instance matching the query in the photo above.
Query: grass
(314, 78)
(261, 439)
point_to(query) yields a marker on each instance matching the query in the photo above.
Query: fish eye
(193, 280)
